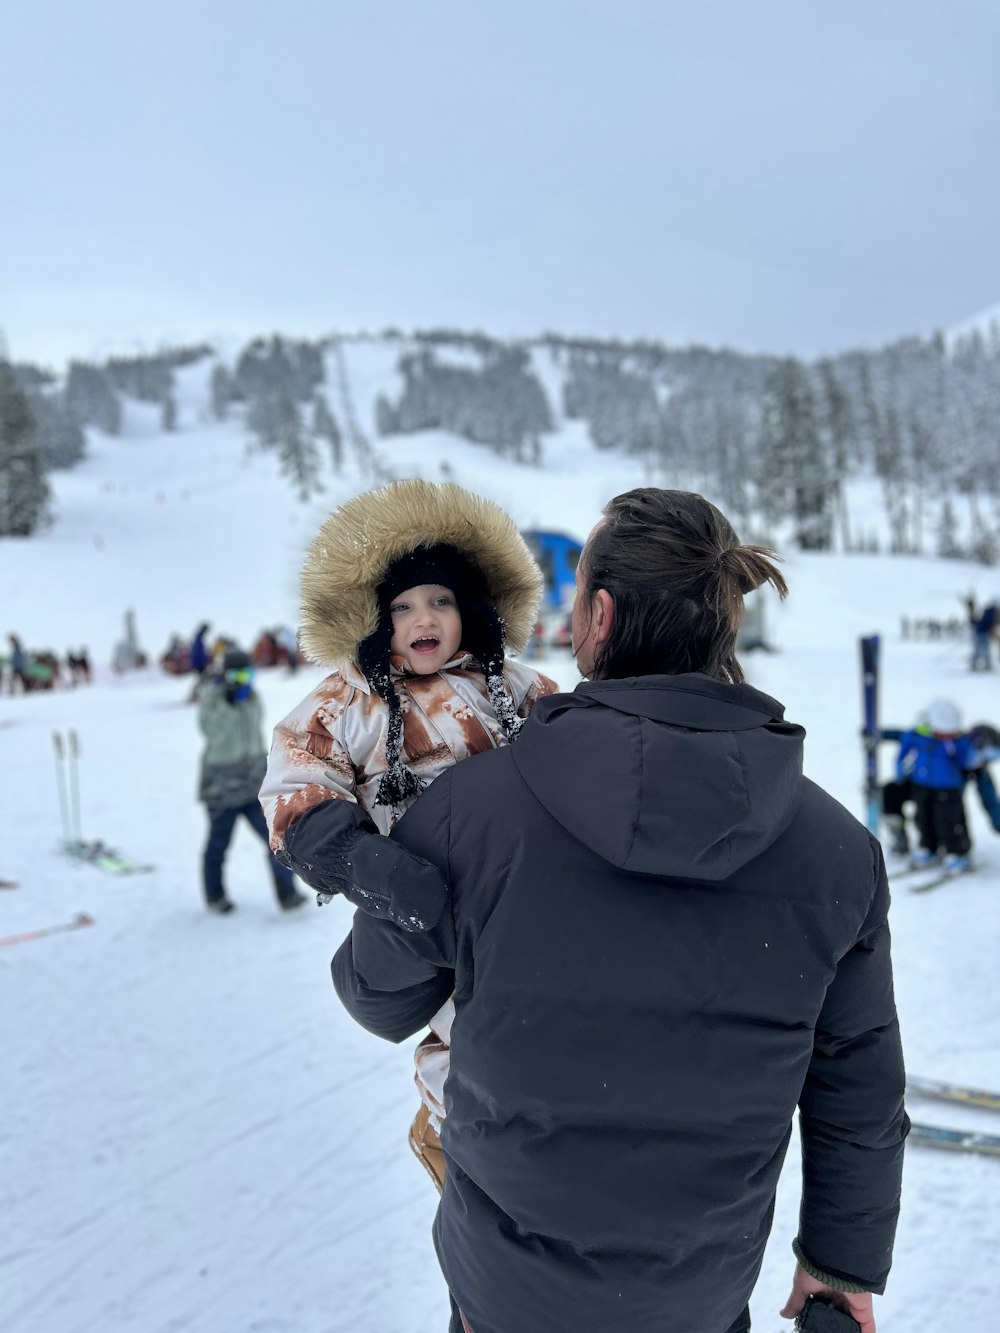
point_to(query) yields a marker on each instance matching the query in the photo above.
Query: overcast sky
(785, 175)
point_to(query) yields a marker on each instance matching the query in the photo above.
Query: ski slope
(195, 1138)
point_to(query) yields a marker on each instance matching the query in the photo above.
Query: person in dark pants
(983, 624)
(232, 768)
(935, 758)
(895, 796)
(661, 939)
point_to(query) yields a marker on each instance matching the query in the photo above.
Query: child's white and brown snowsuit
(344, 742)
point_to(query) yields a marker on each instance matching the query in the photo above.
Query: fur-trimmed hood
(359, 541)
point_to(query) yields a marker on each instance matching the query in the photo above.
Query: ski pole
(869, 682)
(74, 788)
(57, 745)
(81, 919)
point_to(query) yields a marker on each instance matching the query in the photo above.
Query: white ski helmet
(944, 717)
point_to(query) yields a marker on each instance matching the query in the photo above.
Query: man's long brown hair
(677, 574)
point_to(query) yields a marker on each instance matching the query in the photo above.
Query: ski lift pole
(60, 755)
(870, 731)
(74, 788)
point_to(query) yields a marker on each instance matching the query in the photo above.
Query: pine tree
(60, 438)
(297, 452)
(839, 429)
(794, 478)
(948, 545)
(91, 398)
(324, 426)
(221, 391)
(24, 491)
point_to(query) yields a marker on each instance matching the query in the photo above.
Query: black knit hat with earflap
(482, 636)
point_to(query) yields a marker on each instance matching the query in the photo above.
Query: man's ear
(604, 615)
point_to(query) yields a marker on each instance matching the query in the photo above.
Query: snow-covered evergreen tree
(948, 545)
(837, 424)
(91, 398)
(24, 491)
(793, 468)
(61, 441)
(324, 427)
(297, 452)
(221, 392)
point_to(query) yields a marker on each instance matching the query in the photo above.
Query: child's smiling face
(426, 627)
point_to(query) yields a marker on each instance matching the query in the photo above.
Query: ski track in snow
(195, 1137)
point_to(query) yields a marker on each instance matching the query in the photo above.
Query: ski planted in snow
(952, 1092)
(81, 919)
(955, 1140)
(93, 853)
(870, 733)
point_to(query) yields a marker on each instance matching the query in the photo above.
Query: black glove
(336, 848)
(820, 1315)
(984, 736)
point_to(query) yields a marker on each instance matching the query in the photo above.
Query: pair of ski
(944, 1136)
(93, 853)
(938, 876)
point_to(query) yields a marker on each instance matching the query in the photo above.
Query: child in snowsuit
(934, 758)
(412, 594)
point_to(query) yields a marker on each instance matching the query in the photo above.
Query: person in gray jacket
(232, 768)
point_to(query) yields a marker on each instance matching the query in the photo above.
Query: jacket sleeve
(528, 686)
(336, 848)
(851, 1115)
(903, 761)
(307, 766)
(394, 980)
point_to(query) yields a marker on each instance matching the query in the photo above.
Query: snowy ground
(195, 1138)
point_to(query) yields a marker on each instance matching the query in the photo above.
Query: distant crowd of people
(981, 622)
(25, 670)
(274, 647)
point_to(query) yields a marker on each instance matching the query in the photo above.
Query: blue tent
(557, 555)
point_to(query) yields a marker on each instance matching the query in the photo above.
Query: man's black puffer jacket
(662, 939)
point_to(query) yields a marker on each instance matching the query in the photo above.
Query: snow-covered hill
(194, 524)
(195, 1138)
(986, 323)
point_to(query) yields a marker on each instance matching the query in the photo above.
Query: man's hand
(858, 1304)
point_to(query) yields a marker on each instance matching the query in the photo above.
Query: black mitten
(336, 848)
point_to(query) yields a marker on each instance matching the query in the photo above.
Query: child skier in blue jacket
(935, 757)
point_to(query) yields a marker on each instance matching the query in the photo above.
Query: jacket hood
(665, 775)
(359, 541)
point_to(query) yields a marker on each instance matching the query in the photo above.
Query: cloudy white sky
(799, 175)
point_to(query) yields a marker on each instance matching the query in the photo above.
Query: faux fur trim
(346, 562)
